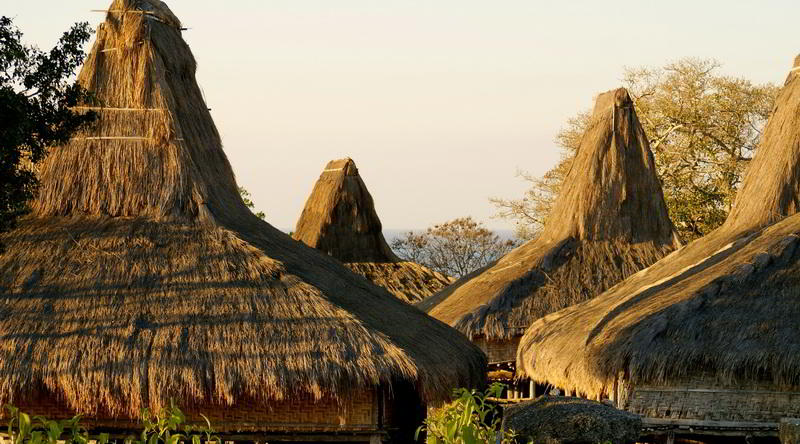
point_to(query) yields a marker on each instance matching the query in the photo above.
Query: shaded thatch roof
(726, 304)
(608, 222)
(340, 219)
(140, 275)
(555, 420)
(408, 281)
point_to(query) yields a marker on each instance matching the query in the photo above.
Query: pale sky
(439, 102)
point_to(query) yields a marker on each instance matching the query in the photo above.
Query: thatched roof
(726, 304)
(608, 222)
(340, 219)
(140, 275)
(559, 419)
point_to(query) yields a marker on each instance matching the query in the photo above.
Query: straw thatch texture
(556, 420)
(340, 219)
(726, 304)
(609, 222)
(141, 276)
(774, 174)
(408, 281)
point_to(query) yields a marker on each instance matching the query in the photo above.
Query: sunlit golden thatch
(340, 219)
(141, 276)
(608, 222)
(725, 305)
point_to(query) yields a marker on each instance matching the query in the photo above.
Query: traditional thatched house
(608, 222)
(340, 219)
(707, 338)
(141, 277)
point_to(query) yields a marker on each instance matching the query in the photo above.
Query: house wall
(499, 351)
(392, 413)
(702, 398)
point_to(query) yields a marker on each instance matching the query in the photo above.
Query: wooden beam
(659, 422)
(111, 108)
(700, 390)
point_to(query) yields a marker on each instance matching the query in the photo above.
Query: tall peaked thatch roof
(726, 304)
(771, 186)
(340, 219)
(140, 275)
(608, 222)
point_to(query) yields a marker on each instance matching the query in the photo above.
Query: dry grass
(609, 222)
(141, 276)
(340, 219)
(726, 304)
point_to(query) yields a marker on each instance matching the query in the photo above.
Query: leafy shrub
(23, 429)
(469, 419)
(161, 427)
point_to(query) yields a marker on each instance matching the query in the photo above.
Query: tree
(529, 213)
(454, 248)
(249, 203)
(38, 94)
(703, 128)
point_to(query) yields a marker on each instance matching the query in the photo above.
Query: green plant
(22, 429)
(161, 427)
(469, 419)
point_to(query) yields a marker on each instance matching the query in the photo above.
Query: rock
(567, 420)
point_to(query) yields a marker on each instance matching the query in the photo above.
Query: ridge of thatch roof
(770, 188)
(140, 276)
(608, 222)
(724, 305)
(339, 219)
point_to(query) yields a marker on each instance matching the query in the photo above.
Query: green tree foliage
(703, 128)
(469, 419)
(37, 96)
(454, 248)
(246, 198)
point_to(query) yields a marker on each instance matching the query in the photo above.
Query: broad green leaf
(24, 426)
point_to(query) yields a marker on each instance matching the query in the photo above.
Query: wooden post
(614, 396)
(670, 438)
(789, 431)
(375, 439)
(532, 393)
